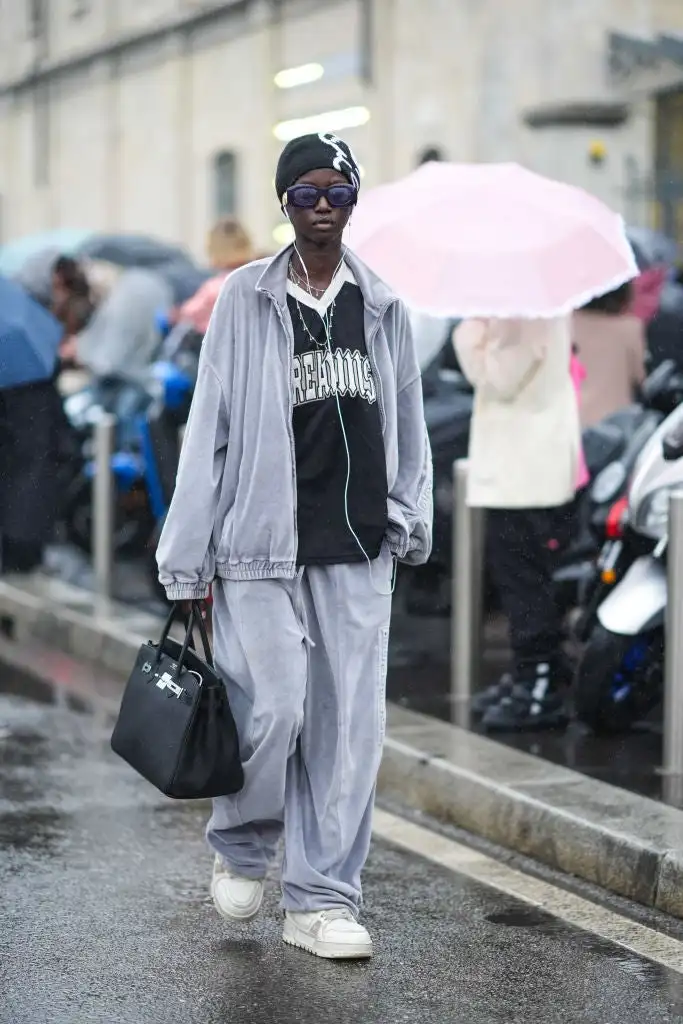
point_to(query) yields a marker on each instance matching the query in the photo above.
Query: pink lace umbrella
(464, 240)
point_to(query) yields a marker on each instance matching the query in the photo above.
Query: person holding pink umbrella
(525, 457)
(512, 254)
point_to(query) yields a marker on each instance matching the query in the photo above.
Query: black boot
(493, 694)
(537, 700)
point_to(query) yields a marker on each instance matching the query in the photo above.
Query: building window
(432, 154)
(225, 184)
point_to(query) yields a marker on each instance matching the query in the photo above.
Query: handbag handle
(195, 616)
(201, 625)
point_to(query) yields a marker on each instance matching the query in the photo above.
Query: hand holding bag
(175, 726)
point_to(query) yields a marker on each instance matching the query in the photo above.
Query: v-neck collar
(321, 305)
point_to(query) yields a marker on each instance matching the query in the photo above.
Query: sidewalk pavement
(623, 842)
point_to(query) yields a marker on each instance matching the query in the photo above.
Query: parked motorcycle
(661, 393)
(620, 676)
(160, 431)
(145, 460)
(132, 515)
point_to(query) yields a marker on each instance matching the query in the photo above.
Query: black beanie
(311, 153)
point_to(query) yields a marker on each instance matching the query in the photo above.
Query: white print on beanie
(345, 164)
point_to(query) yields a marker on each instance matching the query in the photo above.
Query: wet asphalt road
(104, 917)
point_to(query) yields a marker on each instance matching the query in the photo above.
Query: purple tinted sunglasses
(307, 196)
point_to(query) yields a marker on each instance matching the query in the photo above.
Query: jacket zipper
(290, 400)
(289, 333)
(370, 344)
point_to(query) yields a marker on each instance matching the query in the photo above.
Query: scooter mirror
(658, 381)
(672, 444)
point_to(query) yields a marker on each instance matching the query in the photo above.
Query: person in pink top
(609, 339)
(578, 374)
(229, 247)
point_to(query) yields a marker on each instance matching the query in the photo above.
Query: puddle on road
(16, 682)
(32, 829)
(522, 918)
(21, 749)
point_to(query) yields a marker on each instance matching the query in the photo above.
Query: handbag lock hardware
(165, 682)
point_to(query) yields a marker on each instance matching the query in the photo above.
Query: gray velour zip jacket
(233, 512)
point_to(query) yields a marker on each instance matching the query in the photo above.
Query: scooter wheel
(619, 679)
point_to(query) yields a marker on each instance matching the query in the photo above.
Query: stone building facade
(157, 115)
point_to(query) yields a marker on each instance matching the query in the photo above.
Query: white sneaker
(333, 934)
(235, 897)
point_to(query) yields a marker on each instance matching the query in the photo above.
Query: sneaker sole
(244, 918)
(326, 950)
(553, 721)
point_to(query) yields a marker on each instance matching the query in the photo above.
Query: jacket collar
(376, 294)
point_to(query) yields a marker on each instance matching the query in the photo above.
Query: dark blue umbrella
(183, 279)
(29, 337)
(652, 248)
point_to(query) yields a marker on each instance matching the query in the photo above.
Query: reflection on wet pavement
(419, 679)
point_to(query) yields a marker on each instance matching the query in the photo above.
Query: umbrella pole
(103, 506)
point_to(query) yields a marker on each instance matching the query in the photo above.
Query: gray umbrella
(133, 251)
(652, 248)
(36, 275)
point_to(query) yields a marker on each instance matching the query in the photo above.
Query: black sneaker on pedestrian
(491, 695)
(534, 703)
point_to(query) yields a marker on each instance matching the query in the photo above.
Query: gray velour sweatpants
(305, 664)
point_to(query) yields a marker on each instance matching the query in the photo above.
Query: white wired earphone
(327, 327)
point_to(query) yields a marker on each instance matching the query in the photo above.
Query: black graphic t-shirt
(321, 375)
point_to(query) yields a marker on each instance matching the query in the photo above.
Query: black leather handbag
(175, 726)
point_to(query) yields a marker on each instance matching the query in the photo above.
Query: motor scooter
(132, 515)
(620, 676)
(606, 499)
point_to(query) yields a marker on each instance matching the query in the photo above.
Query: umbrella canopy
(652, 248)
(491, 240)
(184, 279)
(35, 276)
(132, 251)
(124, 250)
(14, 255)
(29, 337)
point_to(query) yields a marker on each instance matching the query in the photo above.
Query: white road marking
(575, 910)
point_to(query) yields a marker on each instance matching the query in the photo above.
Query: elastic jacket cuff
(187, 591)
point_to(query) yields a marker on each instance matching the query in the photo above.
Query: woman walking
(305, 473)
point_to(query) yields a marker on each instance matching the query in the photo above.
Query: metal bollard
(103, 506)
(467, 586)
(673, 672)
